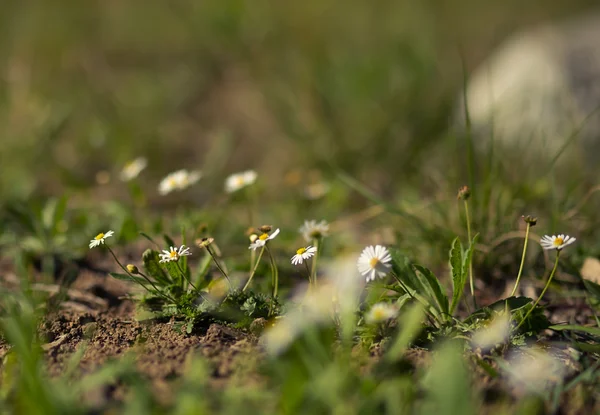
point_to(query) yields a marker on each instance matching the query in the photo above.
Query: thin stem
(471, 284)
(308, 273)
(125, 269)
(218, 265)
(543, 291)
(274, 273)
(185, 278)
(254, 269)
(313, 272)
(168, 297)
(522, 259)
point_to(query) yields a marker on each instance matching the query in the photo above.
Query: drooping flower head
(262, 239)
(100, 238)
(178, 180)
(380, 313)
(133, 169)
(240, 180)
(303, 254)
(314, 230)
(173, 254)
(556, 242)
(374, 261)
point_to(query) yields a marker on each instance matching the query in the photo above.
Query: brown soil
(95, 316)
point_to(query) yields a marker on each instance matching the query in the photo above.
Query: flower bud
(132, 269)
(204, 242)
(265, 228)
(529, 220)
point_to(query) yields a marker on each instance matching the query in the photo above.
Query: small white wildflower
(99, 239)
(534, 370)
(374, 262)
(133, 169)
(380, 313)
(313, 229)
(556, 242)
(302, 254)
(240, 180)
(178, 180)
(262, 240)
(173, 254)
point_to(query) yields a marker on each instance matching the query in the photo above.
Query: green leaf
(434, 287)
(169, 241)
(585, 329)
(53, 212)
(152, 267)
(458, 276)
(402, 267)
(468, 257)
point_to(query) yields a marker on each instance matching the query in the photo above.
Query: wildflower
(99, 239)
(240, 180)
(173, 254)
(302, 254)
(374, 261)
(179, 180)
(262, 239)
(530, 220)
(380, 313)
(534, 370)
(314, 230)
(495, 332)
(133, 169)
(556, 242)
(253, 237)
(204, 242)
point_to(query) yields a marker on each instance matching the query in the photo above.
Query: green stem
(274, 273)
(254, 269)
(308, 273)
(522, 260)
(125, 269)
(543, 291)
(471, 284)
(218, 265)
(184, 277)
(313, 272)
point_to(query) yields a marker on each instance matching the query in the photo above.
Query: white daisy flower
(374, 262)
(556, 242)
(381, 312)
(262, 240)
(302, 254)
(173, 254)
(133, 169)
(99, 239)
(313, 229)
(178, 180)
(240, 180)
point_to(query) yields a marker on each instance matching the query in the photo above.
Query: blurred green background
(219, 85)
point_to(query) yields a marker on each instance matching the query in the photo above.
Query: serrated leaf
(456, 269)
(435, 288)
(152, 267)
(402, 267)
(468, 256)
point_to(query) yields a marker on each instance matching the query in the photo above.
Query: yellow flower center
(239, 181)
(558, 241)
(173, 254)
(378, 314)
(301, 251)
(263, 237)
(99, 236)
(172, 182)
(373, 262)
